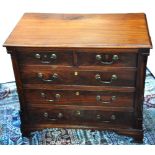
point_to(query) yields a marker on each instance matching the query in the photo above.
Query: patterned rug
(10, 133)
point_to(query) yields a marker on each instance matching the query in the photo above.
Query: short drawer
(107, 59)
(42, 75)
(82, 98)
(80, 116)
(46, 58)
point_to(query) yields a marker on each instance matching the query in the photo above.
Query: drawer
(45, 74)
(79, 116)
(107, 59)
(46, 58)
(82, 98)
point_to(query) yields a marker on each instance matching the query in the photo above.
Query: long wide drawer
(44, 74)
(82, 98)
(79, 116)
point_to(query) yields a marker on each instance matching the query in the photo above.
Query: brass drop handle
(59, 116)
(54, 77)
(46, 116)
(100, 59)
(98, 117)
(112, 118)
(113, 78)
(98, 99)
(46, 59)
(78, 113)
(56, 97)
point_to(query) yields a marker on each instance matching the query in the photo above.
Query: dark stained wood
(124, 60)
(81, 30)
(86, 58)
(86, 98)
(67, 44)
(62, 58)
(75, 59)
(75, 107)
(69, 116)
(142, 61)
(76, 77)
(75, 49)
(79, 87)
(23, 107)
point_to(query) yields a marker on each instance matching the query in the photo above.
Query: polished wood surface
(77, 77)
(81, 30)
(81, 71)
(78, 58)
(73, 97)
(61, 58)
(77, 116)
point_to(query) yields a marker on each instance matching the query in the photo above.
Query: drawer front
(74, 77)
(107, 59)
(79, 116)
(46, 58)
(58, 57)
(82, 98)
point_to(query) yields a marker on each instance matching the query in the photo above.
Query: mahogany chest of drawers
(81, 71)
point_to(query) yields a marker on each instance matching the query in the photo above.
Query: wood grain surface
(81, 30)
(81, 71)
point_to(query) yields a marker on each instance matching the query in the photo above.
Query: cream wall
(12, 10)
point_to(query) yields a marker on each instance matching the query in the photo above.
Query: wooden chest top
(81, 31)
